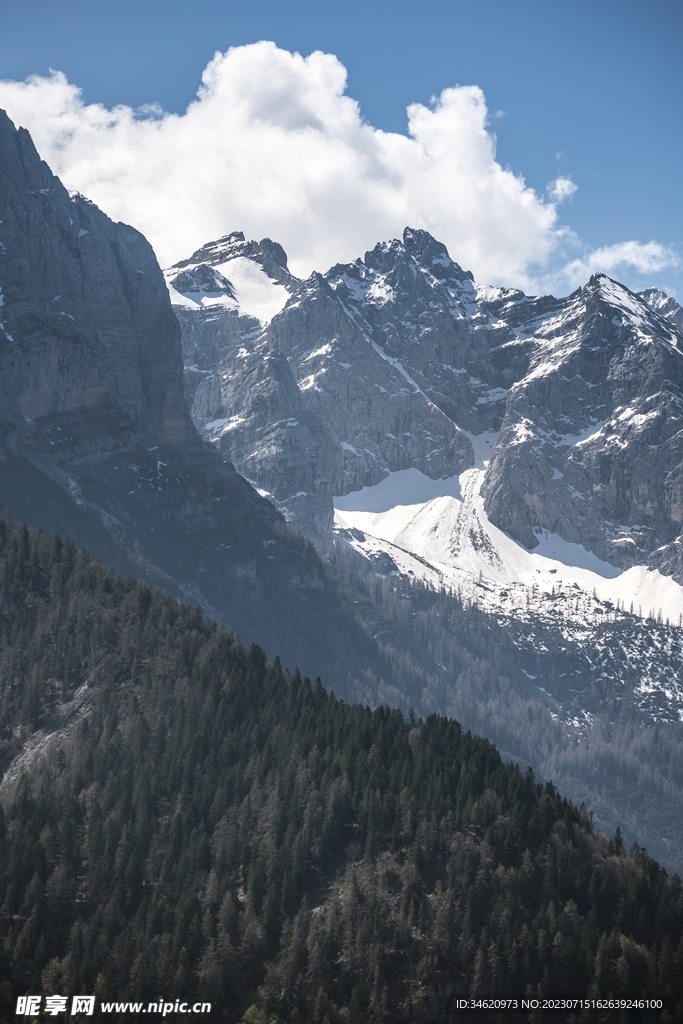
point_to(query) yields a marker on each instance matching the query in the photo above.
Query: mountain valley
(213, 827)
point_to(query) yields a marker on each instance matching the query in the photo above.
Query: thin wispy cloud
(561, 189)
(643, 257)
(273, 146)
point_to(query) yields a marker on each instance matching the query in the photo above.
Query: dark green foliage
(204, 825)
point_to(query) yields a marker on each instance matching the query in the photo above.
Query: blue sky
(592, 91)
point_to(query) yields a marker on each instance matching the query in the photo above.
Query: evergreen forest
(181, 818)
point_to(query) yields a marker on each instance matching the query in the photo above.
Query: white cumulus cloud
(272, 145)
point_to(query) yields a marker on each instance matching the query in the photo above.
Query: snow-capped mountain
(311, 402)
(591, 444)
(526, 452)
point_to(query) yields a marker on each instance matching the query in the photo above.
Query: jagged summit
(665, 305)
(431, 253)
(417, 249)
(244, 278)
(270, 255)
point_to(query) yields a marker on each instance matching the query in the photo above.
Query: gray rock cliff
(591, 446)
(96, 440)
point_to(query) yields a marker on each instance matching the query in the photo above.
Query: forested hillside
(574, 711)
(181, 818)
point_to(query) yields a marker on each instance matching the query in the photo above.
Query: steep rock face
(240, 388)
(380, 418)
(422, 309)
(96, 440)
(374, 367)
(78, 293)
(591, 446)
(216, 315)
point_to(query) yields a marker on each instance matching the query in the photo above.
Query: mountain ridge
(464, 359)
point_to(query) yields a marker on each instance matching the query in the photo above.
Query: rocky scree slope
(96, 440)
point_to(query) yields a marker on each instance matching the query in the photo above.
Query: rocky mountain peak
(665, 305)
(419, 251)
(219, 250)
(21, 157)
(634, 319)
(433, 255)
(223, 251)
(274, 253)
(202, 278)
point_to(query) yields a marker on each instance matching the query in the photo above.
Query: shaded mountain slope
(96, 439)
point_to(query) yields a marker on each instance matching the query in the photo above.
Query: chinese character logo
(28, 1006)
(83, 1004)
(55, 1005)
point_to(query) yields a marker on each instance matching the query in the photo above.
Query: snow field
(438, 531)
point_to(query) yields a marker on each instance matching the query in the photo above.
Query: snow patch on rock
(257, 294)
